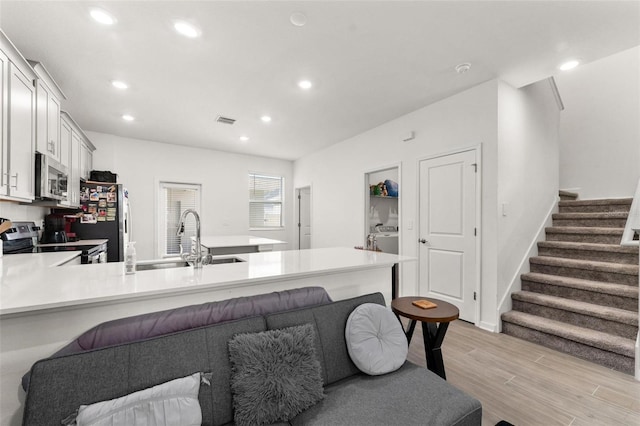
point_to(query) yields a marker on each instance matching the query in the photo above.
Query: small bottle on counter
(130, 258)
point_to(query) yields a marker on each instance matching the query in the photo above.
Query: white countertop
(16, 266)
(26, 287)
(236, 241)
(76, 243)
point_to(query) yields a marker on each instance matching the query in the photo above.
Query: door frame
(297, 214)
(366, 199)
(478, 214)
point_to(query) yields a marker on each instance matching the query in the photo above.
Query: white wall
(600, 127)
(141, 164)
(337, 172)
(17, 212)
(528, 169)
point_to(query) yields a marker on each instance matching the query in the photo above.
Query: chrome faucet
(196, 257)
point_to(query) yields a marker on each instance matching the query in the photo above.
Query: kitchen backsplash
(20, 212)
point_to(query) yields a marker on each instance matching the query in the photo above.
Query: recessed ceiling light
(569, 65)
(462, 68)
(103, 17)
(298, 19)
(244, 138)
(265, 118)
(119, 84)
(186, 29)
(305, 84)
(127, 117)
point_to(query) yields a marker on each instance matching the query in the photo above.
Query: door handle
(423, 241)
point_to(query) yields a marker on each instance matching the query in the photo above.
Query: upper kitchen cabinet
(86, 158)
(48, 101)
(80, 157)
(18, 124)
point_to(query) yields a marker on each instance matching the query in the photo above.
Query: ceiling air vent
(225, 120)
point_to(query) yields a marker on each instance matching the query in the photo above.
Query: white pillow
(375, 339)
(171, 403)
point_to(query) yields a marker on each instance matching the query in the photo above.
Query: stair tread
(584, 230)
(582, 284)
(598, 202)
(591, 265)
(597, 339)
(614, 248)
(591, 215)
(585, 308)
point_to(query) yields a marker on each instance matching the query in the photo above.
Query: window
(174, 198)
(265, 201)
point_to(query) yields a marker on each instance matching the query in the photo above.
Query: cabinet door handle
(423, 241)
(16, 185)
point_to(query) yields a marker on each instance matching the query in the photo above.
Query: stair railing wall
(631, 228)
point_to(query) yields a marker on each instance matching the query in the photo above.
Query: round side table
(435, 322)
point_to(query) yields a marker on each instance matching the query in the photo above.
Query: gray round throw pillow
(375, 339)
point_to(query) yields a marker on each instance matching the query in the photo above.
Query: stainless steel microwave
(51, 178)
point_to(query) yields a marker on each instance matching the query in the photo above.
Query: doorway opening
(382, 210)
(303, 217)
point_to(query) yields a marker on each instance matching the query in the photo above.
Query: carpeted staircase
(581, 296)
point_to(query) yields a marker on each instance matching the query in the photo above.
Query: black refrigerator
(104, 215)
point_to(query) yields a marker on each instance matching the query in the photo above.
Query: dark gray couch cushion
(60, 385)
(409, 396)
(330, 321)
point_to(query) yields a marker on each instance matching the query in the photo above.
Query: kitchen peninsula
(232, 244)
(44, 308)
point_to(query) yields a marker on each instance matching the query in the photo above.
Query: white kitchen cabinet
(18, 124)
(65, 157)
(4, 123)
(65, 143)
(86, 158)
(79, 144)
(48, 98)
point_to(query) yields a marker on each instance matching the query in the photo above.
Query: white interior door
(448, 230)
(304, 218)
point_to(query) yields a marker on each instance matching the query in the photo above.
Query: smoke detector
(225, 120)
(462, 68)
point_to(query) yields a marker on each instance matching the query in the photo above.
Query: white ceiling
(371, 61)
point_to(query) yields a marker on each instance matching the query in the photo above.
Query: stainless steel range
(23, 237)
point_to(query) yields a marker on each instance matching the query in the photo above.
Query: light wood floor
(527, 384)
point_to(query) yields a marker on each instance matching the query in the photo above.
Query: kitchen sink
(179, 263)
(161, 264)
(219, 260)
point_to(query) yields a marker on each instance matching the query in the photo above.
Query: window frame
(251, 201)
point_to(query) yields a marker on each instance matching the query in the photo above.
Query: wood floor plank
(527, 384)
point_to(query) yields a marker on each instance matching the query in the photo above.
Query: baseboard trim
(487, 326)
(515, 284)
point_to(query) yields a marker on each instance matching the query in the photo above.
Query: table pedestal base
(433, 335)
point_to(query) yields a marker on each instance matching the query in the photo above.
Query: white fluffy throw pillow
(375, 339)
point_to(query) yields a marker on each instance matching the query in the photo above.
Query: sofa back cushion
(131, 329)
(329, 321)
(60, 385)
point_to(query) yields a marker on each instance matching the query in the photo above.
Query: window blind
(265, 201)
(178, 198)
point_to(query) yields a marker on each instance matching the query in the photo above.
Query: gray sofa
(411, 395)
